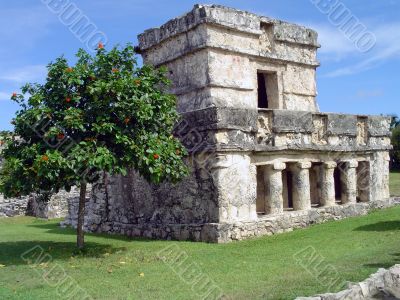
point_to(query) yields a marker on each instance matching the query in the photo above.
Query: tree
(394, 122)
(395, 153)
(104, 114)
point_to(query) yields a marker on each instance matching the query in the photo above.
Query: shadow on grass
(56, 229)
(380, 226)
(18, 253)
(387, 264)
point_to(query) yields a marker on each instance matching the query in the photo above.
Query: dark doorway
(287, 178)
(316, 184)
(260, 202)
(290, 188)
(262, 91)
(338, 184)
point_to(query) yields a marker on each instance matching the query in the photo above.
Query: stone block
(379, 126)
(292, 121)
(339, 124)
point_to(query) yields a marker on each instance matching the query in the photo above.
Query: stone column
(274, 188)
(301, 186)
(350, 182)
(328, 184)
(386, 172)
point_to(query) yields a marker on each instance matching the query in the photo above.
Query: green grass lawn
(114, 267)
(265, 268)
(395, 183)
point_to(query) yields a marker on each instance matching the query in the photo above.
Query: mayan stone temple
(263, 158)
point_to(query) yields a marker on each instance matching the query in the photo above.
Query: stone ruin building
(263, 158)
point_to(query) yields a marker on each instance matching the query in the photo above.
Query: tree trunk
(81, 216)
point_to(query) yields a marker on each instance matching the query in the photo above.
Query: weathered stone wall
(57, 207)
(213, 61)
(384, 284)
(132, 200)
(13, 207)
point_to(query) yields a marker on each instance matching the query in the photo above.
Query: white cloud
(31, 73)
(335, 46)
(369, 63)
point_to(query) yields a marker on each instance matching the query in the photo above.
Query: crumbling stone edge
(384, 284)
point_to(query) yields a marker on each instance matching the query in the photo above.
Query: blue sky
(350, 81)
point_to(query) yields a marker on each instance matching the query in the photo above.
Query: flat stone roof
(231, 18)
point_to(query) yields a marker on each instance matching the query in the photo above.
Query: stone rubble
(384, 285)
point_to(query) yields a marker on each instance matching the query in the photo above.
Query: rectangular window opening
(262, 91)
(268, 92)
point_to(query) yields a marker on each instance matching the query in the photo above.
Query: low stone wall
(57, 207)
(226, 232)
(385, 284)
(288, 221)
(13, 207)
